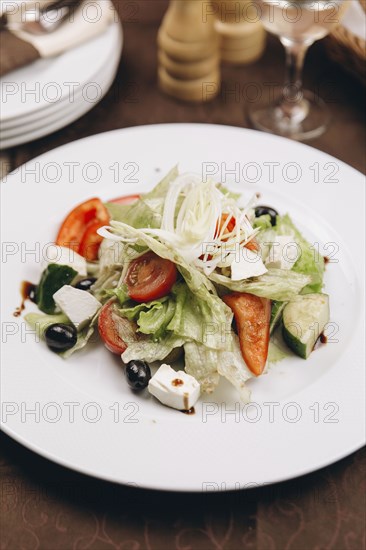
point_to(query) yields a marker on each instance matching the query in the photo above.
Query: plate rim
(274, 137)
(155, 486)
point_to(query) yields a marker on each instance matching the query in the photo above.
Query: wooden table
(44, 506)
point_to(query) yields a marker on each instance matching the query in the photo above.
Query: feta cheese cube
(61, 255)
(283, 253)
(78, 305)
(247, 263)
(176, 389)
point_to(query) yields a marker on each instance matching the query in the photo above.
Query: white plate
(82, 93)
(54, 79)
(68, 113)
(58, 110)
(146, 443)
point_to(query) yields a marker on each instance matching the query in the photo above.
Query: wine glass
(297, 113)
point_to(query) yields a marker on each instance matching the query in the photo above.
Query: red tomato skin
(252, 315)
(74, 225)
(91, 241)
(160, 276)
(127, 199)
(108, 332)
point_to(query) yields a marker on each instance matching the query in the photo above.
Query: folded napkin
(19, 48)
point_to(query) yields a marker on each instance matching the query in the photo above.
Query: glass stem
(292, 103)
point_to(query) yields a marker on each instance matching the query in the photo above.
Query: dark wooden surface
(48, 507)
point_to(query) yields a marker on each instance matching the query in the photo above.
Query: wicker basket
(348, 50)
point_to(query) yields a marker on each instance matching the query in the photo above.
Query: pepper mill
(241, 31)
(189, 51)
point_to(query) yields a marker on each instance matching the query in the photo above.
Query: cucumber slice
(304, 320)
(276, 314)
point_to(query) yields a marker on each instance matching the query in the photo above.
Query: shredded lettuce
(262, 222)
(84, 337)
(121, 293)
(309, 262)
(201, 362)
(228, 193)
(148, 210)
(152, 351)
(175, 220)
(151, 317)
(204, 321)
(203, 291)
(276, 284)
(206, 365)
(183, 314)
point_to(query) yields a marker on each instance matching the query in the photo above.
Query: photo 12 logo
(69, 412)
(270, 411)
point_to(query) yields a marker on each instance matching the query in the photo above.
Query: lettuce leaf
(228, 192)
(152, 351)
(132, 312)
(309, 262)
(262, 222)
(84, 338)
(276, 284)
(121, 293)
(184, 315)
(148, 210)
(207, 365)
(202, 306)
(201, 362)
(151, 317)
(201, 320)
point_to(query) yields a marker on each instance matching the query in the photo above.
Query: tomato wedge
(91, 241)
(76, 222)
(127, 199)
(252, 315)
(115, 331)
(150, 277)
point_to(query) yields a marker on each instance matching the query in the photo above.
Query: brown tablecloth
(48, 507)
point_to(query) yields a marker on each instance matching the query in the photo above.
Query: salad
(184, 270)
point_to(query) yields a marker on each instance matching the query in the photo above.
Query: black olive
(60, 337)
(263, 210)
(138, 374)
(85, 284)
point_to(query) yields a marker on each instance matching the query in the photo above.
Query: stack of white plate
(51, 93)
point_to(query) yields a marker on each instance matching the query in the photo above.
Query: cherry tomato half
(127, 199)
(76, 222)
(115, 331)
(150, 277)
